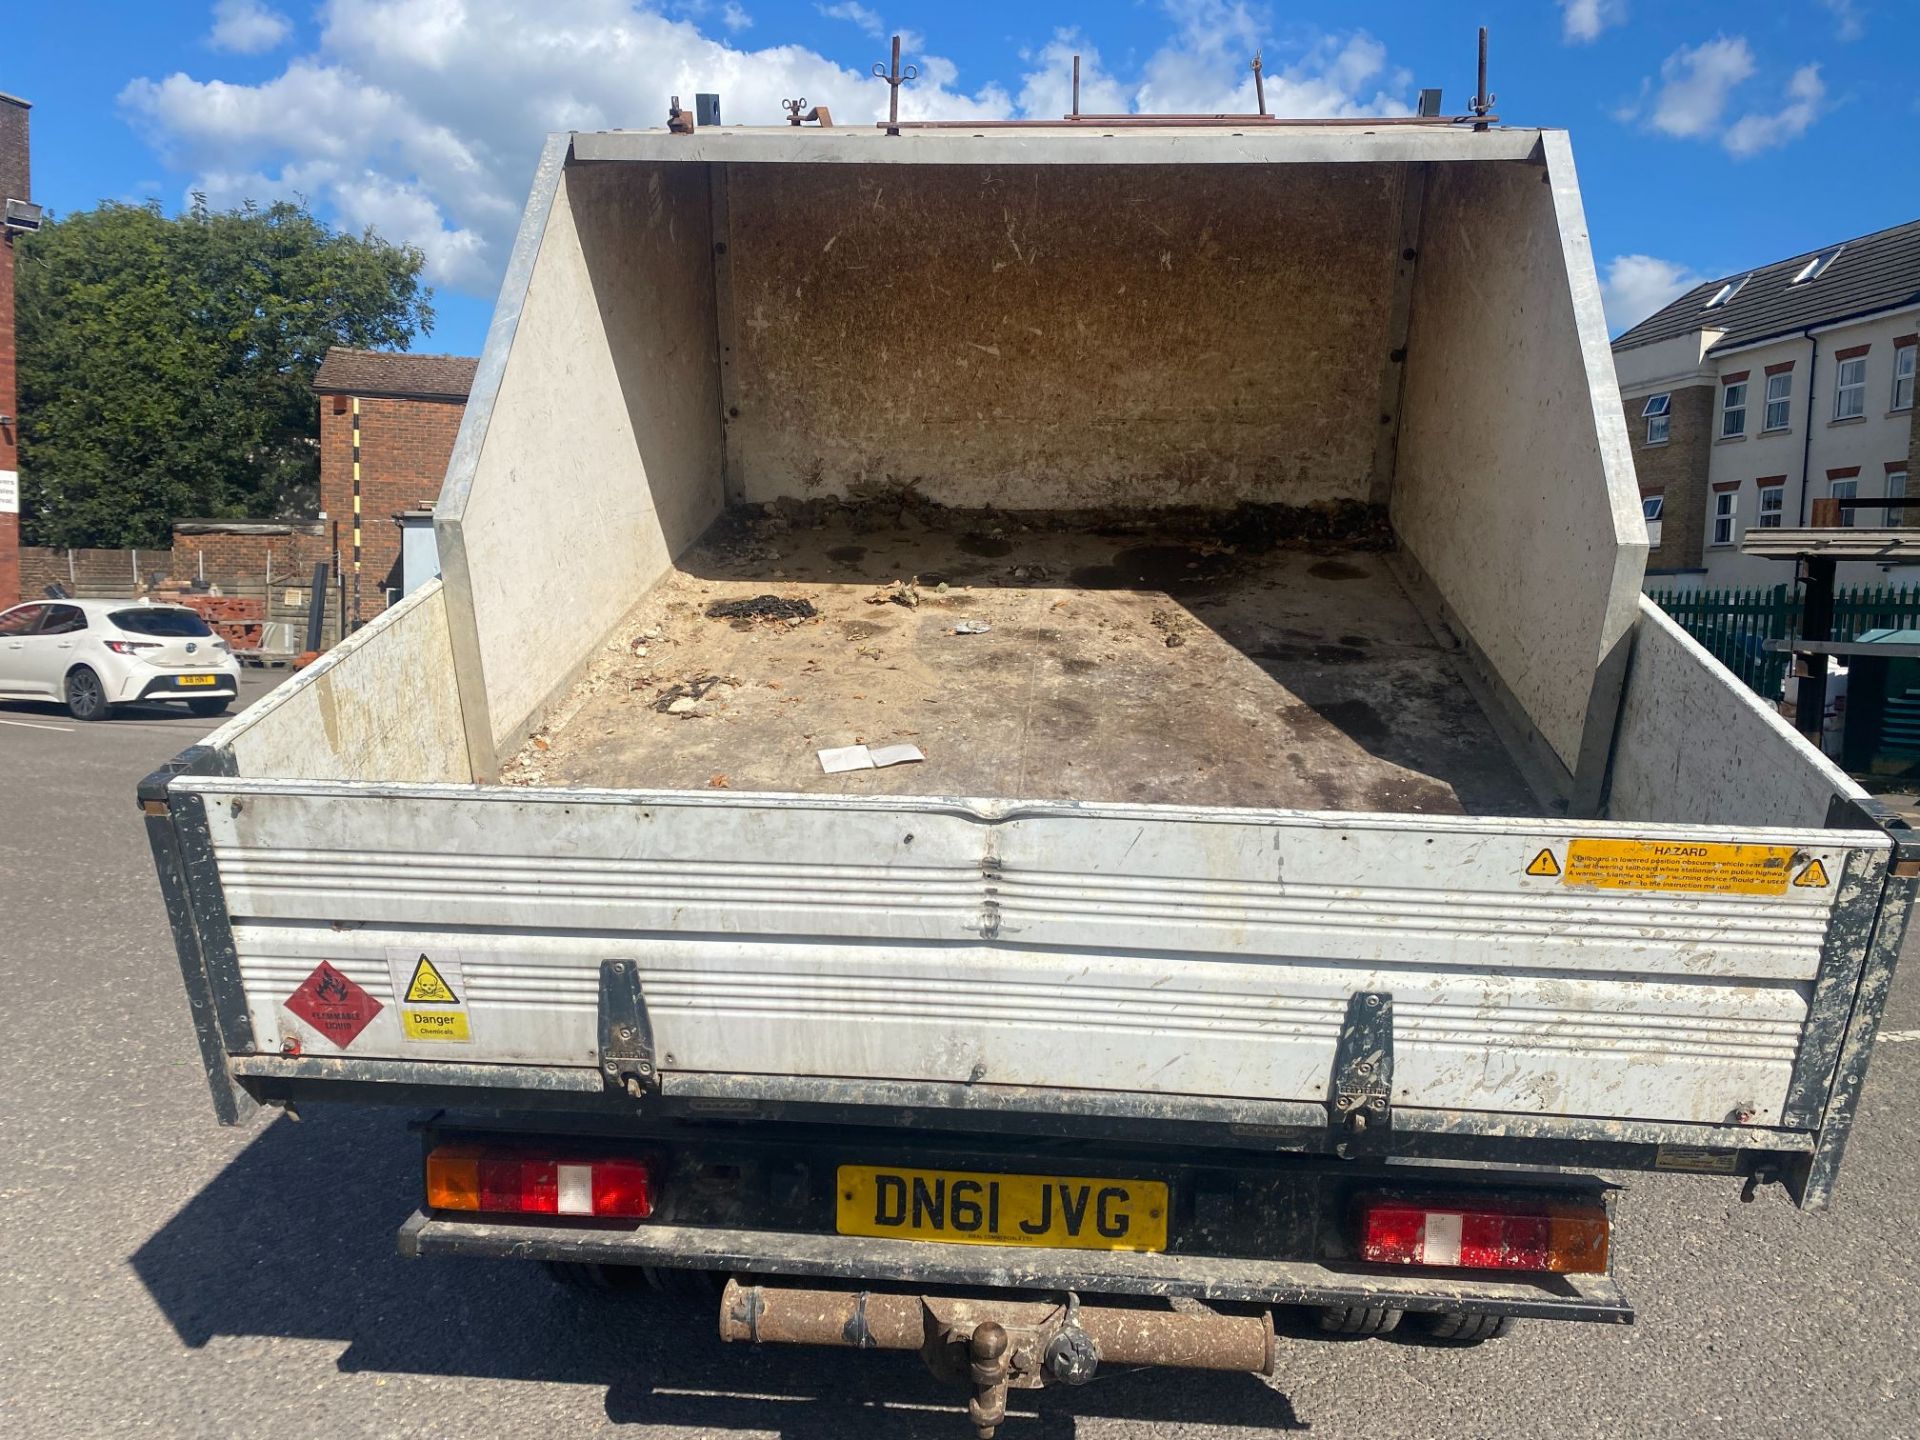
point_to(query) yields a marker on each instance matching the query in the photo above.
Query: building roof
(395, 373)
(1874, 272)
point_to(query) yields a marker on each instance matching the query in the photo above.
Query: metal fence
(1736, 624)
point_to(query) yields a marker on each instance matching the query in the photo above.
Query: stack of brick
(236, 619)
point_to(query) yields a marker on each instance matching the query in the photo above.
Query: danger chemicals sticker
(432, 995)
(333, 1004)
(1700, 867)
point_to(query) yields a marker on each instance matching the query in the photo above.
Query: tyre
(1466, 1328)
(86, 697)
(1358, 1319)
(213, 705)
(683, 1284)
(596, 1279)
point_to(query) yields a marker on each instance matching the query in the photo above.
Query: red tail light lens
(130, 647)
(502, 1181)
(1484, 1233)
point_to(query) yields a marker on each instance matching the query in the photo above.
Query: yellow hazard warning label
(434, 1024)
(1814, 877)
(431, 994)
(428, 986)
(1543, 864)
(1701, 867)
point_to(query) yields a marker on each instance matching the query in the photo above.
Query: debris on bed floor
(1260, 657)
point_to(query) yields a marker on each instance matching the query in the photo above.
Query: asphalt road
(161, 1276)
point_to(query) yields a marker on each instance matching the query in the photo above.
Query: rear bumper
(168, 687)
(916, 1263)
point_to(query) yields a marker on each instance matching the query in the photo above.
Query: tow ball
(995, 1344)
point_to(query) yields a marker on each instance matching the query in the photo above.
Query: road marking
(34, 725)
(1898, 1037)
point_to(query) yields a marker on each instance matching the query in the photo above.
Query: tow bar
(996, 1344)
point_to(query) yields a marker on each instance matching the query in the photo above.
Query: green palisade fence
(1736, 624)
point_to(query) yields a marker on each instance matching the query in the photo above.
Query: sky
(1709, 138)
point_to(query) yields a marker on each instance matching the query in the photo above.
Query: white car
(91, 655)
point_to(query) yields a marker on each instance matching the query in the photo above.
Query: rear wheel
(1467, 1328)
(86, 696)
(1358, 1319)
(212, 705)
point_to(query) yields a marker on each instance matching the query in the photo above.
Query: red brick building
(404, 411)
(14, 190)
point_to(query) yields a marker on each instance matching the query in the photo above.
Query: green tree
(165, 362)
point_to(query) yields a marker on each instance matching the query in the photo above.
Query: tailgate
(1545, 968)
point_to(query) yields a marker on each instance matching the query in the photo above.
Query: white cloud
(1696, 91)
(1696, 84)
(1581, 21)
(1637, 285)
(423, 117)
(734, 18)
(1847, 22)
(1752, 133)
(856, 14)
(247, 27)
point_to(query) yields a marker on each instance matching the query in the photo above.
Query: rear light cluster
(524, 1182)
(130, 647)
(1484, 1233)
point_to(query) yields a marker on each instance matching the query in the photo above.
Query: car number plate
(1069, 1212)
(198, 679)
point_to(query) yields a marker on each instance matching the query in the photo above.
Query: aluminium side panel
(1138, 950)
(1514, 488)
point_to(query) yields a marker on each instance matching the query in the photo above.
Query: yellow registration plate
(198, 679)
(970, 1208)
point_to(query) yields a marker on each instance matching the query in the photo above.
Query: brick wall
(1678, 471)
(404, 448)
(92, 574)
(241, 561)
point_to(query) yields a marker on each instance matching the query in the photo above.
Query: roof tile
(398, 373)
(1874, 272)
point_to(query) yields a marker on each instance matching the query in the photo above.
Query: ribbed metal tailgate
(1149, 950)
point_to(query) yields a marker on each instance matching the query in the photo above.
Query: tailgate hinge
(1360, 1097)
(626, 1038)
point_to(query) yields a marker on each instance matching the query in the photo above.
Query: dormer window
(1817, 266)
(1726, 292)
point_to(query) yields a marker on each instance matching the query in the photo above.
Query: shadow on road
(295, 1239)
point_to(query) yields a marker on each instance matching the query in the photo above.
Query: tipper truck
(1038, 744)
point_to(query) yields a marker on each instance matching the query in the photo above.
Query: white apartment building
(1754, 395)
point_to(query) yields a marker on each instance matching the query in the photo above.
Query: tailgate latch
(1360, 1097)
(626, 1037)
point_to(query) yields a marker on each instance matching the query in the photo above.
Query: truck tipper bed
(1319, 857)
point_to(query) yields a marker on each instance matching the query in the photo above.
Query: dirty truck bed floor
(1115, 669)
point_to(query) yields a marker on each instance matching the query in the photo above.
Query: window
(1725, 293)
(162, 620)
(1779, 401)
(1845, 490)
(1896, 490)
(1658, 413)
(1817, 266)
(1724, 504)
(21, 619)
(1650, 507)
(1772, 502)
(1850, 395)
(1903, 377)
(1733, 411)
(63, 620)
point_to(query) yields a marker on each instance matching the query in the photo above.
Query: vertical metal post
(1816, 623)
(1482, 102)
(356, 514)
(895, 78)
(1076, 87)
(1260, 85)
